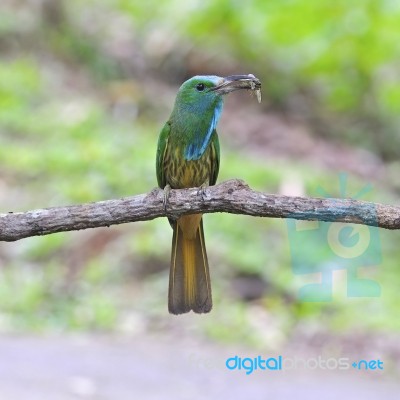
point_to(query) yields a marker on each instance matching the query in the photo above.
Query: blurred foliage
(337, 62)
(83, 95)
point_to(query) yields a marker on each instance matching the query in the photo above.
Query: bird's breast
(181, 173)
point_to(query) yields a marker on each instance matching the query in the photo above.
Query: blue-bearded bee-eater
(188, 156)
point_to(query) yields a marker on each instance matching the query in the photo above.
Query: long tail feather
(189, 279)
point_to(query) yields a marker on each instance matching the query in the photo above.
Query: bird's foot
(167, 190)
(202, 191)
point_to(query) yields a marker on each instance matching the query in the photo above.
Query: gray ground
(68, 368)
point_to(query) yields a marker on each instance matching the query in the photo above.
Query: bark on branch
(233, 197)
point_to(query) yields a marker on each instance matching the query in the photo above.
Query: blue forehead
(214, 79)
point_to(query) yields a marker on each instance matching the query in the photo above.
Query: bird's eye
(200, 87)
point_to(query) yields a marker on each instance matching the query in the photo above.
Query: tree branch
(233, 197)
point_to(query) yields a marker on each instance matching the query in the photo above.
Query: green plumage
(179, 173)
(194, 114)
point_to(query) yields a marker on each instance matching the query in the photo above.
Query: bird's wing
(161, 149)
(215, 155)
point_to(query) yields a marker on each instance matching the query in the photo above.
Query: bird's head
(205, 92)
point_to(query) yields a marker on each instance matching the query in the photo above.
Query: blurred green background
(85, 87)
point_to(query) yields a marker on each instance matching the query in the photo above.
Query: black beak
(236, 82)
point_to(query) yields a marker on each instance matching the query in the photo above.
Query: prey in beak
(236, 82)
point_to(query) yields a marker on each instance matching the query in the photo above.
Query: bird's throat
(198, 130)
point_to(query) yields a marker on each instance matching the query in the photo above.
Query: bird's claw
(202, 192)
(167, 190)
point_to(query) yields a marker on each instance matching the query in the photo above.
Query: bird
(188, 156)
